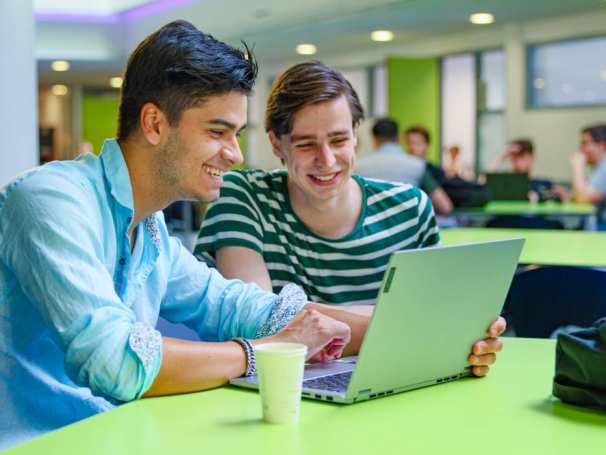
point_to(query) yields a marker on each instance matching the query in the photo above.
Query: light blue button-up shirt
(78, 308)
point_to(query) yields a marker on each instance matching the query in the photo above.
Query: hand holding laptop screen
(483, 352)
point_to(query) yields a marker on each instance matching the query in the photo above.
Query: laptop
(508, 186)
(433, 304)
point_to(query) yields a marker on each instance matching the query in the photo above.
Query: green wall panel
(99, 118)
(413, 87)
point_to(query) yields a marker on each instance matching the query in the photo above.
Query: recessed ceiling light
(381, 35)
(60, 65)
(59, 89)
(115, 82)
(481, 18)
(306, 49)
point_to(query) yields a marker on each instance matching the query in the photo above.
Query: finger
(480, 370)
(335, 348)
(497, 327)
(487, 346)
(482, 360)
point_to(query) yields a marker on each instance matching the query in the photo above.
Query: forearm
(441, 202)
(189, 366)
(579, 184)
(364, 310)
(495, 164)
(357, 322)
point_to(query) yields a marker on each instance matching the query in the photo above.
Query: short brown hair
(525, 146)
(597, 132)
(418, 129)
(302, 85)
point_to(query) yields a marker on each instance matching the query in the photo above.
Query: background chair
(541, 299)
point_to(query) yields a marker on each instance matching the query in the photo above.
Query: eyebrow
(305, 137)
(225, 123)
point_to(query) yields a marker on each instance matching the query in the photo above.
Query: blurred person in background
(520, 155)
(390, 162)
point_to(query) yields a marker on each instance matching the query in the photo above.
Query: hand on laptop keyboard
(324, 336)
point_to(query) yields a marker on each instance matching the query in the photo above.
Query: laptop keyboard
(333, 383)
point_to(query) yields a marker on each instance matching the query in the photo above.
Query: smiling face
(319, 152)
(196, 152)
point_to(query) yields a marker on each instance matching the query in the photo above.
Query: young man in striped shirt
(317, 224)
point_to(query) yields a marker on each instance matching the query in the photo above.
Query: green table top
(527, 208)
(542, 247)
(509, 412)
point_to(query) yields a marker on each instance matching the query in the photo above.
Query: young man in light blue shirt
(87, 265)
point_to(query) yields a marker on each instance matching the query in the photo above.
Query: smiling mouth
(213, 171)
(323, 179)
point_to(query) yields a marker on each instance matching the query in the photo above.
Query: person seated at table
(87, 265)
(460, 192)
(520, 155)
(417, 141)
(317, 223)
(390, 162)
(592, 151)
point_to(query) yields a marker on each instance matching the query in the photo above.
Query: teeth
(324, 178)
(213, 171)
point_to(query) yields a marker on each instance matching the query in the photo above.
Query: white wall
(554, 131)
(18, 128)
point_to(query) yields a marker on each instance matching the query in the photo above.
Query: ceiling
(274, 27)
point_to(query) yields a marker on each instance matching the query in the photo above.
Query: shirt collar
(116, 173)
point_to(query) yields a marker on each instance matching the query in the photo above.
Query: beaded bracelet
(251, 364)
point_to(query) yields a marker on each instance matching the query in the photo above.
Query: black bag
(463, 193)
(580, 371)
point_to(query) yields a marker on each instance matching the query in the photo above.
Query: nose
(232, 152)
(325, 157)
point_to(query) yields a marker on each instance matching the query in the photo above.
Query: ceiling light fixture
(306, 49)
(382, 35)
(59, 89)
(115, 82)
(481, 18)
(60, 65)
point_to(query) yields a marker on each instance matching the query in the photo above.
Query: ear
(276, 145)
(153, 122)
(355, 134)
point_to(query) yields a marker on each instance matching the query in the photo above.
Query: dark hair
(386, 129)
(525, 146)
(179, 67)
(417, 129)
(302, 85)
(597, 132)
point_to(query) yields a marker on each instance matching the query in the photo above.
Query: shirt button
(122, 261)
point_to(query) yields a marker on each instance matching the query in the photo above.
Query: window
(568, 73)
(491, 107)
(473, 105)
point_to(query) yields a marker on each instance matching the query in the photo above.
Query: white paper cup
(280, 373)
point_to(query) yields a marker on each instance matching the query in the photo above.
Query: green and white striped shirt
(254, 211)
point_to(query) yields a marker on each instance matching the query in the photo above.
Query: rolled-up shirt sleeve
(51, 244)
